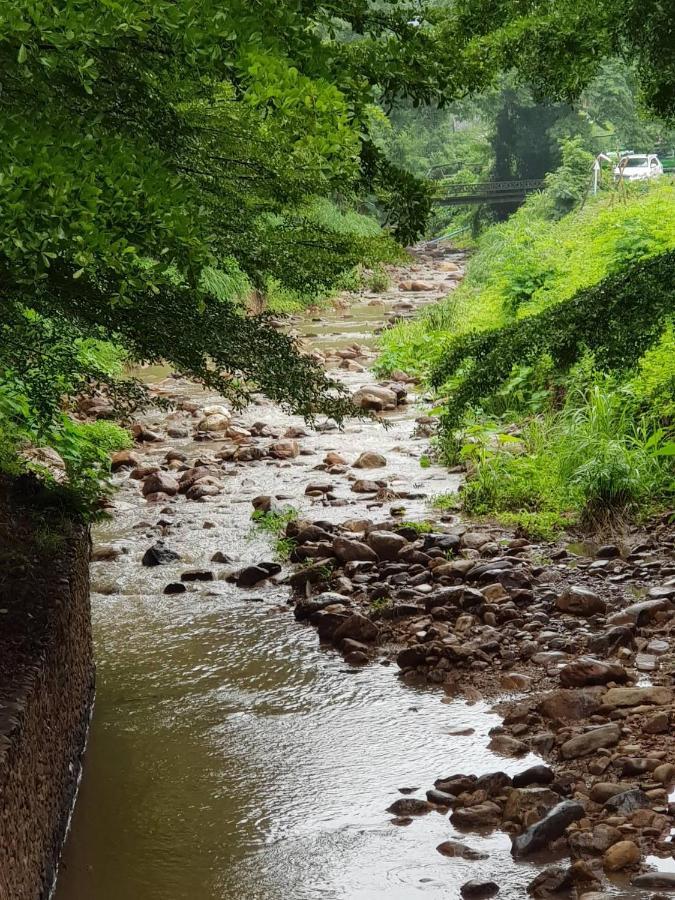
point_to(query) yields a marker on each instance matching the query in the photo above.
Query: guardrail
(487, 191)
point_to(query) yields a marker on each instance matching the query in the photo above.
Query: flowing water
(233, 758)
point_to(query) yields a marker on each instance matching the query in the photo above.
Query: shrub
(618, 320)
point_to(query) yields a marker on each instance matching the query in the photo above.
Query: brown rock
(370, 460)
(580, 601)
(622, 855)
(348, 550)
(287, 449)
(617, 698)
(160, 483)
(588, 671)
(595, 739)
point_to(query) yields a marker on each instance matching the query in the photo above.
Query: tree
(155, 157)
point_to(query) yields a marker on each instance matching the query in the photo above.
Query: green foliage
(162, 161)
(569, 184)
(597, 457)
(378, 281)
(653, 385)
(274, 524)
(532, 262)
(618, 319)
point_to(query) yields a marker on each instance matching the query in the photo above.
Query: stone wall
(46, 692)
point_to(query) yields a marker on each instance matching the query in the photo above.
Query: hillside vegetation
(556, 360)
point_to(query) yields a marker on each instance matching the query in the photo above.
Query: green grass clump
(419, 527)
(594, 461)
(274, 524)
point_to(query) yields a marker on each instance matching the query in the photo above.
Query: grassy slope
(530, 262)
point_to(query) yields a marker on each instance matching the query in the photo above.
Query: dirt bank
(46, 686)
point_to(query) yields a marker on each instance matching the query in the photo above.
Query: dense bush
(618, 320)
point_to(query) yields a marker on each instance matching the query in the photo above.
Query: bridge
(449, 194)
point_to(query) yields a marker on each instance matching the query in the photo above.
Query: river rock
(220, 557)
(601, 791)
(550, 828)
(358, 628)
(526, 804)
(370, 460)
(160, 483)
(374, 397)
(205, 487)
(252, 575)
(626, 802)
(197, 575)
(409, 806)
(580, 601)
(286, 449)
(319, 487)
(589, 671)
(455, 848)
(640, 613)
(598, 840)
(552, 880)
(478, 816)
(124, 459)
(215, 422)
(595, 739)
(655, 881)
(348, 550)
(570, 705)
(617, 698)
(479, 887)
(506, 745)
(365, 486)
(159, 555)
(175, 587)
(386, 544)
(534, 775)
(622, 855)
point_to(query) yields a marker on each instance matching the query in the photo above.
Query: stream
(231, 756)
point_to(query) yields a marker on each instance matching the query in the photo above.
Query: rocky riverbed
(567, 790)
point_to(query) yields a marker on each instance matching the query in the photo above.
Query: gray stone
(546, 830)
(589, 741)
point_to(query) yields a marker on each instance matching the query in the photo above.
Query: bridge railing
(493, 187)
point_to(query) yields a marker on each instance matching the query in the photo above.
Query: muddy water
(232, 757)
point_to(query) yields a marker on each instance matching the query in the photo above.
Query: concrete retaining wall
(45, 701)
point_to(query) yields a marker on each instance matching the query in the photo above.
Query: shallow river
(232, 757)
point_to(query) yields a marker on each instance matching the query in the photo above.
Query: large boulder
(588, 671)
(357, 628)
(347, 550)
(159, 555)
(376, 398)
(286, 449)
(618, 698)
(386, 544)
(622, 855)
(160, 483)
(370, 460)
(570, 705)
(214, 422)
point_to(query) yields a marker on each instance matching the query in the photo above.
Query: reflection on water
(233, 758)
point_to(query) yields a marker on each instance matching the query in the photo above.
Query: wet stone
(479, 887)
(159, 555)
(409, 806)
(546, 830)
(175, 587)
